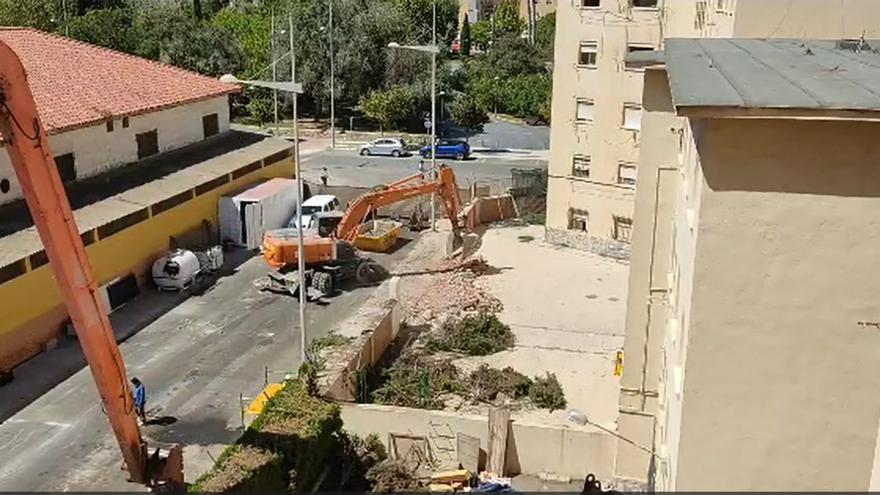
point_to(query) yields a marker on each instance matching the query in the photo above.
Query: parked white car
(384, 146)
(319, 203)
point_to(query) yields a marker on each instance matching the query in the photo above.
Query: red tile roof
(76, 84)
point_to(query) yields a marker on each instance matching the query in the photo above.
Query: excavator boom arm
(409, 187)
(25, 140)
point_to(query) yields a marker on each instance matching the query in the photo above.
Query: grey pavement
(195, 359)
(506, 135)
(347, 168)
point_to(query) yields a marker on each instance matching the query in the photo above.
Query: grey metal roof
(774, 74)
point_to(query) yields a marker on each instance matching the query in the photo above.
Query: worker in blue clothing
(140, 399)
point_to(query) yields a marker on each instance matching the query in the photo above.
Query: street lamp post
(295, 89)
(332, 84)
(433, 50)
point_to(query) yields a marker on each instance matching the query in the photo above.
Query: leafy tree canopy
(388, 106)
(467, 113)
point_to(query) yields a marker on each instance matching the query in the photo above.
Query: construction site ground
(196, 354)
(566, 308)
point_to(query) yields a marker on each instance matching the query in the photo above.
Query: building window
(632, 117)
(147, 143)
(639, 48)
(109, 126)
(125, 122)
(66, 167)
(626, 174)
(700, 15)
(578, 220)
(587, 54)
(644, 4)
(590, 4)
(12, 270)
(584, 111)
(580, 166)
(210, 125)
(623, 229)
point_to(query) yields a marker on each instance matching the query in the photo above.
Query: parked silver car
(384, 146)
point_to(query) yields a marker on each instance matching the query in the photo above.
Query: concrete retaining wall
(531, 449)
(373, 328)
(489, 209)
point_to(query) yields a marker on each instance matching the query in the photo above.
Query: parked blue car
(459, 150)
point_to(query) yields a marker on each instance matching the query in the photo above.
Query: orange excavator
(25, 139)
(330, 255)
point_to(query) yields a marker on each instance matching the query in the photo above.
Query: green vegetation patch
(546, 392)
(296, 444)
(485, 383)
(477, 335)
(415, 380)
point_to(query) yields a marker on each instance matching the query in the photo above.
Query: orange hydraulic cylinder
(25, 140)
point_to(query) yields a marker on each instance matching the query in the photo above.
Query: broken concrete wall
(483, 210)
(373, 328)
(533, 449)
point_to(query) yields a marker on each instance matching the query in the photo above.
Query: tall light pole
(434, 108)
(433, 50)
(274, 70)
(294, 88)
(300, 249)
(332, 85)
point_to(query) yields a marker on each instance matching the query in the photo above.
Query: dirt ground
(566, 308)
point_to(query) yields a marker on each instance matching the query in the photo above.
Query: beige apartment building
(597, 100)
(751, 358)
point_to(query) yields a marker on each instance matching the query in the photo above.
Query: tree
(110, 28)
(545, 34)
(389, 106)
(465, 38)
(481, 35)
(466, 113)
(45, 15)
(507, 20)
(420, 14)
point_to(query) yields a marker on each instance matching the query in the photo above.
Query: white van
(320, 203)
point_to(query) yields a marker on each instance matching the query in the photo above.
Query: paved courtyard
(566, 308)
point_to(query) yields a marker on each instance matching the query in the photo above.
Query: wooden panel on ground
(468, 448)
(499, 422)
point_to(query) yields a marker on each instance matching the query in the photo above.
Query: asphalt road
(500, 134)
(195, 360)
(347, 168)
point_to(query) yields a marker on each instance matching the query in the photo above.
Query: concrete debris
(453, 290)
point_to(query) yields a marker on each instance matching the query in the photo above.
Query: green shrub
(416, 381)
(286, 447)
(486, 383)
(478, 335)
(546, 392)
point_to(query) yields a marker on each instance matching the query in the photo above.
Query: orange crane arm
(25, 140)
(409, 187)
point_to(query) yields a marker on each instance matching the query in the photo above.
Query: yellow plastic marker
(256, 406)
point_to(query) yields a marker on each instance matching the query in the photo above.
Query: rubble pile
(452, 290)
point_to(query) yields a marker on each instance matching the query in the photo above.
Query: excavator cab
(327, 221)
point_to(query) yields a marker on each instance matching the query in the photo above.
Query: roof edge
(158, 108)
(782, 113)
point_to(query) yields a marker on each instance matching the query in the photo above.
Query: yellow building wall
(31, 304)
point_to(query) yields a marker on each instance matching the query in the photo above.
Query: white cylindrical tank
(176, 270)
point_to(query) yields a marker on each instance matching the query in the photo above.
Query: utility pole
(332, 85)
(533, 16)
(274, 69)
(299, 200)
(434, 110)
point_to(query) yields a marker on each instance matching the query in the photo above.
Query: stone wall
(581, 240)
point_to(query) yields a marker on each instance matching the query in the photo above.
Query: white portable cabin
(247, 214)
